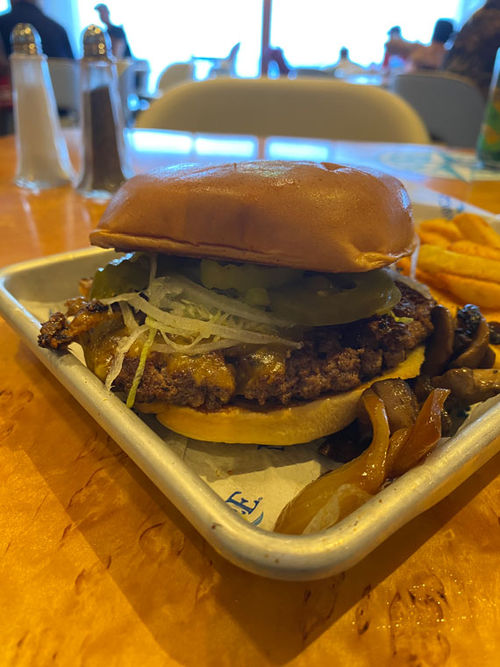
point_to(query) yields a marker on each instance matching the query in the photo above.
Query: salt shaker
(42, 154)
(488, 143)
(104, 163)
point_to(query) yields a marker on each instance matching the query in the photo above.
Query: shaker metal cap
(96, 43)
(26, 40)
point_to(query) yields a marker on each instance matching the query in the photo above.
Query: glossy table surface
(98, 568)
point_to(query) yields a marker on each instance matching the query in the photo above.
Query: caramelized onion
(424, 434)
(339, 492)
(336, 494)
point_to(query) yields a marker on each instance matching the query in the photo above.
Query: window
(310, 32)
(164, 32)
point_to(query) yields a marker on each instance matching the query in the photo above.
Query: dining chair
(318, 108)
(226, 66)
(450, 105)
(313, 72)
(173, 75)
(65, 77)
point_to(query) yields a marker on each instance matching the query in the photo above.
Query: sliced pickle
(257, 296)
(130, 273)
(125, 274)
(305, 298)
(347, 298)
(186, 266)
(244, 277)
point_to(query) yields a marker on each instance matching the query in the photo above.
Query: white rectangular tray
(208, 482)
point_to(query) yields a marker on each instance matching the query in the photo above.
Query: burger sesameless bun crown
(305, 215)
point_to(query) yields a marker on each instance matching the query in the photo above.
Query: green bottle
(488, 143)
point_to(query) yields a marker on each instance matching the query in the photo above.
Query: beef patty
(333, 359)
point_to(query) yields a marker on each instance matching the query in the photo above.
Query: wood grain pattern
(98, 568)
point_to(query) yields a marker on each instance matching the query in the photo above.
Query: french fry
(438, 290)
(444, 228)
(474, 228)
(432, 238)
(475, 249)
(469, 290)
(463, 270)
(438, 260)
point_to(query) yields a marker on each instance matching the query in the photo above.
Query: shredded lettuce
(190, 319)
(128, 317)
(210, 300)
(414, 260)
(140, 368)
(193, 319)
(121, 350)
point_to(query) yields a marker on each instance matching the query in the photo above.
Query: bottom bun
(280, 426)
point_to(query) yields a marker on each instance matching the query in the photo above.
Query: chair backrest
(311, 72)
(65, 76)
(233, 52)
(450, 105)
(318, 108)
(226, 66)
(175, 74)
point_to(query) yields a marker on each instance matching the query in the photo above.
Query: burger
(251, 302)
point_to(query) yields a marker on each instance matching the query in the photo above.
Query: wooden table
(98, 568)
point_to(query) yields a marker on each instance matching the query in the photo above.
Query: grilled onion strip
(336, 494)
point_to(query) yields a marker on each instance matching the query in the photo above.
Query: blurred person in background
(119, 43)
(55, 42)
(433, 55)
(345, 67)
(474, 49)
(397, 50)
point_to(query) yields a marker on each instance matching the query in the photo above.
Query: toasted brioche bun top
(305, 215)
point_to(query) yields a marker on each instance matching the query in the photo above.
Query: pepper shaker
(42, 154)
(104, 163)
